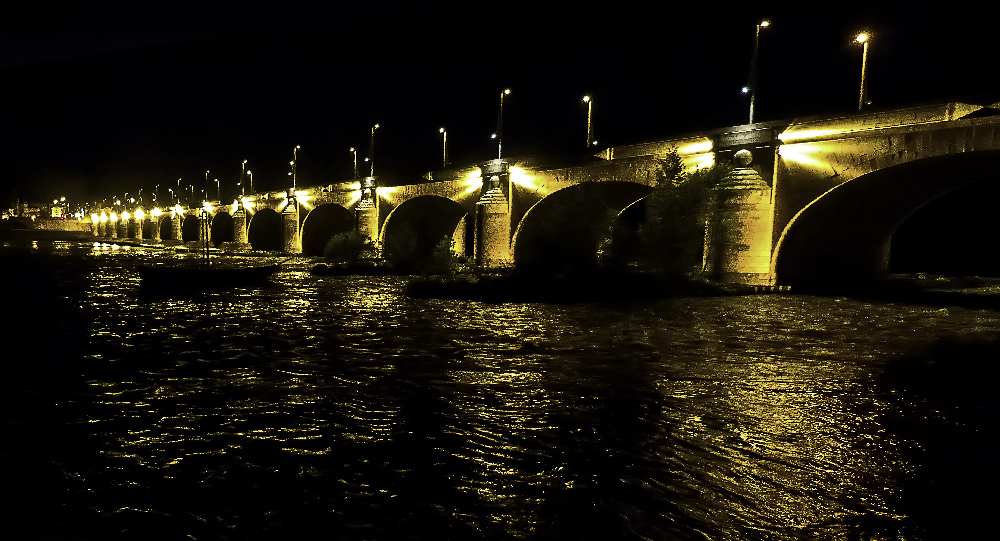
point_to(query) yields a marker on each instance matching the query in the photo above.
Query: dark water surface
(339, 408)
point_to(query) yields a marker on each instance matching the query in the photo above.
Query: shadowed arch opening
(416, 227)
(166, 226)
(322, 224)
(264, 230)
(565, 231)
(843, 237)
(222, 228)
(189, 228)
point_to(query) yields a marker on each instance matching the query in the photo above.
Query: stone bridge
(819, 201)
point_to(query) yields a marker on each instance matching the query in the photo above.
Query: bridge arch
(264, 230)
(222, 228)
(322, 224)
(414, 228)
(189, 228)
(563, 231)
(843, 236)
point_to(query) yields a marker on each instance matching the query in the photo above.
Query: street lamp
(751, 87)
(250, 174)
(590, 110)
(498, 135)
(863, 38)
(371, 151)
(444, 142)
(295, 159)
(243, 172)
(355, 152)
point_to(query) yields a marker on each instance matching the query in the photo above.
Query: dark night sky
(96, 107)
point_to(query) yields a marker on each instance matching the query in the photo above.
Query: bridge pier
(492, 248)
(240, 233)
(204, 229)
(154, 224)
(739, 229)
(366, 215)
(176, 229)
(291, 237)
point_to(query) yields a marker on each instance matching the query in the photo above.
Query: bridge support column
(367, 217)
(738, 233)
(102, 225)
(154, 225)
(138, 228)
(492, 248)
(176, 227)
(291, 239)
(113, 226)
(240, 233)
(204, 229)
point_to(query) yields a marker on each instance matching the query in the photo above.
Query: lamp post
(250, 174)
(590, 110)
(498, 135)
(243, 173)
(355, 152)
(218, 191)
(295, 159)
(751, 87)
(863, 38)
(444, 143)
(371, 152)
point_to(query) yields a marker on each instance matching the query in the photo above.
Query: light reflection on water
(339, 405)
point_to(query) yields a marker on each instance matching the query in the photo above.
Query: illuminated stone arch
(563, 231)
(264, 230)
(189, 227)
(843, 236)
(322, 224)
(164, 224)
(222, 228)
(415, 227)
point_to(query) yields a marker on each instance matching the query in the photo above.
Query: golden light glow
(139, 214)
(207, 207)
(95, 218)
(521, 177)
(104, 218)
(178, 210)
(355, 196)
(697, 155)
(862, 37)
(113, 217)
(704, 145)
(803, 154)
(472, 182)
(249, 204)
(125, 215)
(156, 212)
(386, 191)
(797, 135)
(354, 186)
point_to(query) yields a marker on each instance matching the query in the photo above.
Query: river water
(338, 407)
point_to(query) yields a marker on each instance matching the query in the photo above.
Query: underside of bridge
(222, 228)
(323, 224)
(563, 232)
(189, 229)
(414, 229)
(264, 232)
(843, 237)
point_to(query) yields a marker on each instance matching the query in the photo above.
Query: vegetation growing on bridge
(665, 232)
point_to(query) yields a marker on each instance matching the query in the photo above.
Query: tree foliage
(667, 233)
